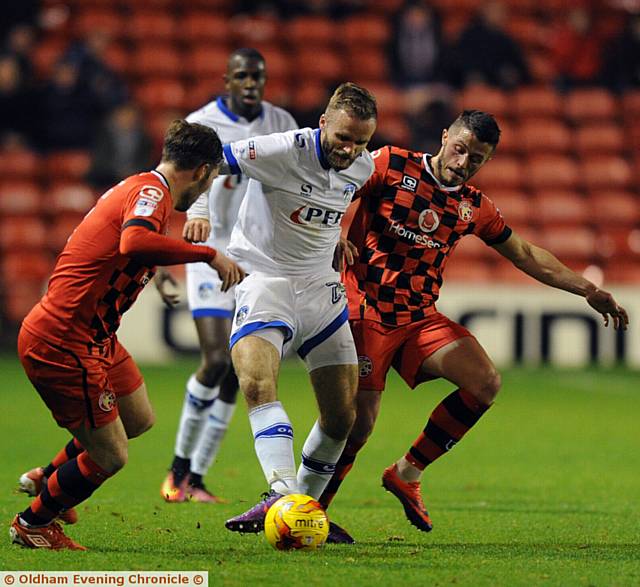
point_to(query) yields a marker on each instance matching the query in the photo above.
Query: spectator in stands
(107, 88)
(68, 110)
(486, 53)
(576, 50)
(16, 99)
(621, 69)
(122, 147)
(415, 48)
(20, 43)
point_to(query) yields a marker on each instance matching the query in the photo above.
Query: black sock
(195, 480)
(180, 468)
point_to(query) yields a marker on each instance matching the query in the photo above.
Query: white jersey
(289, 220)
(226, 193)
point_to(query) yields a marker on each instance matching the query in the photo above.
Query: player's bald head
(241, 56)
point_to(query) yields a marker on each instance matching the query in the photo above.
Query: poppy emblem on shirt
(428, 221)
(107, 401)
(465, 211)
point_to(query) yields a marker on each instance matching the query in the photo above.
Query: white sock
(197, 402)
(273, 436)
(211, 436)
(320, 454)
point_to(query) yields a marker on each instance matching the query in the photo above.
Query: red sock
(72, 449)
(343, 466)
(448, 423)
(69, 485)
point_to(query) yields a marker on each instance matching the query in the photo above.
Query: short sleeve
(491, 227)
(264, 158)
(147, 205)
(371, 188)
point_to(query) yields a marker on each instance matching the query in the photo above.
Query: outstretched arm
(546, 268)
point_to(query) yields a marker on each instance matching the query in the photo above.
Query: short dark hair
(247, 53)
(355, 100)
(481, 124)
(189, 145)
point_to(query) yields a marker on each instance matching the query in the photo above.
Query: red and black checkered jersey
(406, 226)
(93, 284)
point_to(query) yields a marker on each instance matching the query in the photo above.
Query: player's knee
(339, 423)
(257, 390)
(487, 387)
(142, 426)
(216, 364)
(362, 428)
(111, 460)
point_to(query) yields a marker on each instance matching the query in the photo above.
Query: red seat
(601, 171)
(393, 129)
(20, 298)
(539, 101)
(161, 93)
(366, 30)
(20, 233)
(46, 54)
(70, 197)
(205, 26)
(151, 25)
(578, 243)
(631, 104)
(555, 207)
(308, 31)
(63, 225)
(552, 171)
(481, 97)
(68, 165)
(367, 64)
(614, 207)
(324, 66)
(623, 271)
(515, 206)
(105, 19)
(154, 60)
(462, 269)
(206, 60)
(309, 97)
(590, 104)
(278, 63)
(19, 164)
(544, 135)
(501, 173)
(201, 92)
(25, 266)
(257, 30)
(390, 101)
(603, 137)
(471, 248)
(621, 242)
(20, 198)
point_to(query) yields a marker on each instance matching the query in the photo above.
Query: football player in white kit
(211, 391)
(287, 230)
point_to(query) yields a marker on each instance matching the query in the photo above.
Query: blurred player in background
(288, 228)
(68, 344)
(409, 219)
(211, 391)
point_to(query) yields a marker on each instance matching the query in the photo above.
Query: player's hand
(603, 302)
(230, 273)
(163, 276)
(345, 251)
(196, 230)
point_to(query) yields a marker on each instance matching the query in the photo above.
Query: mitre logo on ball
(428, 221)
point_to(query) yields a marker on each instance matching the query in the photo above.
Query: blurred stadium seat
(68, 165)
(204, 26)
(311, 31)
(19, 164)
(544, 135)
(20, 197)
(579, 244)
(485, 98)
(555, 208)
(100, 18)
(588, 104)
(151, 25)
(70, 197)
(502, 173)
(365, 30)
(154, 60)
(60, 230)
(552, 171)
(161, 94)
(600, 137)
(22, 233)
(515, 206)
(604, 171)
(538, 101)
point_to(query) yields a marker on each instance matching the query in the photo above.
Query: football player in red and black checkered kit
(411, 215)
(68, 345)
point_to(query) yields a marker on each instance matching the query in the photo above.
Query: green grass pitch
(544, 491)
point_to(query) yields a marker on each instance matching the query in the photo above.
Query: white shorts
(312, 314)
(204, 295)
